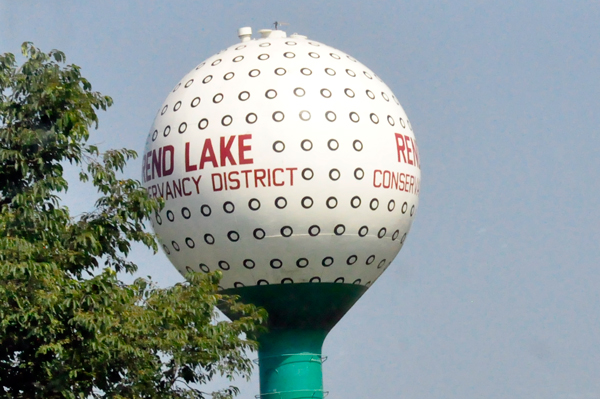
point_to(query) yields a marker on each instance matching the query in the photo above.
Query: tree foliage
(69, 327)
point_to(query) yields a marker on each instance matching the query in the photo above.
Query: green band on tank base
(300, 317)
(311, 306)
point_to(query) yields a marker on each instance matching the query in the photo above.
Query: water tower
(292, 168)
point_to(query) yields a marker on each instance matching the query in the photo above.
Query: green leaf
(69, 328)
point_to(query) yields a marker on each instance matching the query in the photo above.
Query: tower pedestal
(290, 364)
(300, 317)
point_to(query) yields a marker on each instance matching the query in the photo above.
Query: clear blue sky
(495, 294)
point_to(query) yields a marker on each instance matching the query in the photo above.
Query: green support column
(290, 364)
(300, 316)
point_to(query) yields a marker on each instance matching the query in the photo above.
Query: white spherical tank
(282, 160)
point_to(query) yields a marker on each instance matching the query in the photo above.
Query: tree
(69, 328)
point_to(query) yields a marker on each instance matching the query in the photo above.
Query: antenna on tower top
(277, 24)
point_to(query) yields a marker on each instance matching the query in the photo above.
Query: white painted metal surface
(283, 160)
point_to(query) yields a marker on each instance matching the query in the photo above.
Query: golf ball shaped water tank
(282, 160)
